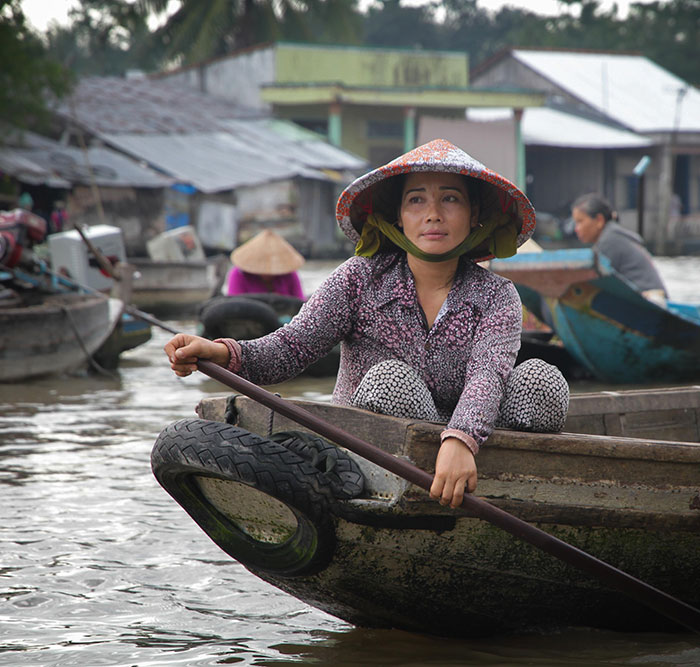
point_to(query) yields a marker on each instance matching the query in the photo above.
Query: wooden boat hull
(129, 333)
(169, 289)
(395, 558)
(55, 336)
(606, 325)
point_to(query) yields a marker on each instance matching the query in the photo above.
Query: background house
(97, 184)
(369, 101)
(631, 107)
(233, 169)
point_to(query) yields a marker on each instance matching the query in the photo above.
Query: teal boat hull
(603, 321)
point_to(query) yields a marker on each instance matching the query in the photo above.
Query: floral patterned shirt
(370, 306)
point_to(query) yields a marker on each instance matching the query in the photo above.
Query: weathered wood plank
(635, 400)
(664, 414)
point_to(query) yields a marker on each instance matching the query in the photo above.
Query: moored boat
(388, 556)
(603, 321)
(129, 332)
(53, 333)
(172, 288)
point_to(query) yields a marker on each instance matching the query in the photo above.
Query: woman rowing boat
(425, 331)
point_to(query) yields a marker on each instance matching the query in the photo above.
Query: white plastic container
(176, 245)
(70, 256)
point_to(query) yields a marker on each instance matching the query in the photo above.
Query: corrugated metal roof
(39, 160)
(289, 141)
(23, 168)
(108, 168)
(199, 139)
(630, 89)
(211, 162)
(114, 105)
(542, 126)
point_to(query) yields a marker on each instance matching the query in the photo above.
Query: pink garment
(240, 282)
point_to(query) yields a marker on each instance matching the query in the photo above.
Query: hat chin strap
(501, 231)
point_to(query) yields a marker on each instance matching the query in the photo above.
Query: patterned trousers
(536, 396)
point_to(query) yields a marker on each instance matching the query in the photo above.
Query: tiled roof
(114, 105)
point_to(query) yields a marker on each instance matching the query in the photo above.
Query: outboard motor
(19, 231)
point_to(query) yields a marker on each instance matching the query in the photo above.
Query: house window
(317, 125)
(380, 129)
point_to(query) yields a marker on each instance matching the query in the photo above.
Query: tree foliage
(391, 25)
(200, 29)
(28, 77)
(105, 37)
(112, 36)
(467, 27)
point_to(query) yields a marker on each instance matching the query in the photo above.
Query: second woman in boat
(267, 263)
(425, 331)
(596, 223)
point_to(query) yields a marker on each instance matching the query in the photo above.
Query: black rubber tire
(285, 305)
(341, 470)
(237, 317)
(192, 448)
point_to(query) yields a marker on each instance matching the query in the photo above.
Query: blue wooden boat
(603, 320)
(130, 332)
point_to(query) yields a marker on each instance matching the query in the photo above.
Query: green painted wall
(296, 63)
(355, 134)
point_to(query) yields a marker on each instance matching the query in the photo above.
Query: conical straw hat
(267, 253)
(497, 194)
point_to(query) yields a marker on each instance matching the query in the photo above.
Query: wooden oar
(667, 605)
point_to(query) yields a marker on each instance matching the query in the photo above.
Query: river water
(101, 567)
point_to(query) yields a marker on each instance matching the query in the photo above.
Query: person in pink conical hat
(425, 331)
(265, 264)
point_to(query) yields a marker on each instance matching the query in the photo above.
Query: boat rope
(272, 418)
(91, 361)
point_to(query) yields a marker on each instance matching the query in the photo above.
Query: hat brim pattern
(439, 156)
